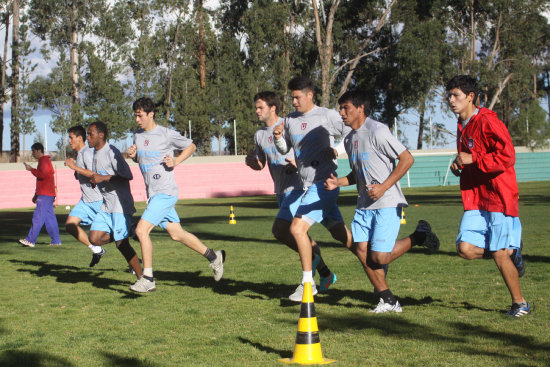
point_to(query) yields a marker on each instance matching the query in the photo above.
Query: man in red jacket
(43, 197)
(490, 226)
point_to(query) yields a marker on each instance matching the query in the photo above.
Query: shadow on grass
(119, 361)
(73, 275)
(18, 358)
(266, 349)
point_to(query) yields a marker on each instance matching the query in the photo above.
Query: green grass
(55, 311)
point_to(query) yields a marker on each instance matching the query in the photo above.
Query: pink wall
(195, 180)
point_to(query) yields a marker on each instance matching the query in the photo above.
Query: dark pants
(44, 215)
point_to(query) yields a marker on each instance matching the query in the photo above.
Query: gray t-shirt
(309, 134)
(84, 159)
(152, 147)
(117, 197)
(372, 151)
(267, 152)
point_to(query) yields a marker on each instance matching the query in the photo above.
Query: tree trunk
(75, 99)
(3, 78)
(419, 141)
(202, 45)
(472, 32)
(15, 84)
(171, 66)
(325, 48)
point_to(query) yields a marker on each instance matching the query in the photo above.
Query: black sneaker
(431, 242)
(519, 309)
(517, 259)
(97, 257)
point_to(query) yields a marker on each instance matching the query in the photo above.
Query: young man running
(288, 185)
(372, 151)
(112, 175)
(91, 200)
(153, 148)
(310, 131)
(490, 225)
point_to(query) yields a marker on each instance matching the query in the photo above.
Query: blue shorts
(318, 205)
(117, 224)
(288, 204)
(86, 211)
(160, 210)
(489, 230)
(378, 227)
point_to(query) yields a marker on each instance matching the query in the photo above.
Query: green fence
(432, 169)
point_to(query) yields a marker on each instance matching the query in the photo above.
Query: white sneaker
(143, 286)
(217, 265)
(24, 242)
(386, 307)
(299, 293)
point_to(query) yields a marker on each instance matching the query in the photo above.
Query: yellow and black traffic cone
(403, 220)
(232, 216)
(307, 349)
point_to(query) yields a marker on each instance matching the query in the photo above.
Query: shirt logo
(470, 143)
(355, 144)
(270, 139)
(304, 125)
(146, 143)
(156, 176)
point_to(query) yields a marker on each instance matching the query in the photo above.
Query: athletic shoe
(26, 243)
(517, 259)
(143, 285)
(519, 309)
(299, 293)
(315, 263)
(55, 244)
(97, 257)
(386, 307)
(217, 265)
(326, 282)
(431, 241)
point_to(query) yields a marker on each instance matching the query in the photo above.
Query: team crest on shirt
(270, 139)
(304, 125)
(156, 176)
(355, 144)
(470, 143)
(146, 142)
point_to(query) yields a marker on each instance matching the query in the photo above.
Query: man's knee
(381, 258)
(466, 251)
(280, 229)
(126, 249)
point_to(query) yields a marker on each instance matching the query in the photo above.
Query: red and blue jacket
(489, 183)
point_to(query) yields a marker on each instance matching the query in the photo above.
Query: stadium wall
(226, 176)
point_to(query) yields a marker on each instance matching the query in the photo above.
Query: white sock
(148, 272)
(307, 277)
(95, 249)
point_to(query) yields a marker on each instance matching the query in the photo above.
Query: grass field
(56, 311)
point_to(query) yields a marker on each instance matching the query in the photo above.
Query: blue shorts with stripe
(378, 227)
(161, 210)
(86, 211)
(489, 230)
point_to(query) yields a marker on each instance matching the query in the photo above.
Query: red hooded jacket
(489, 183)
(45, 182)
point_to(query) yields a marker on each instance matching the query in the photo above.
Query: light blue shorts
(86, 211)
(160, 210)
(378, 227)
(318, 205)
(288, 204)
(117, 224)
(489, 230)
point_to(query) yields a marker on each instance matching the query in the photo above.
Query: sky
(407, 123)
